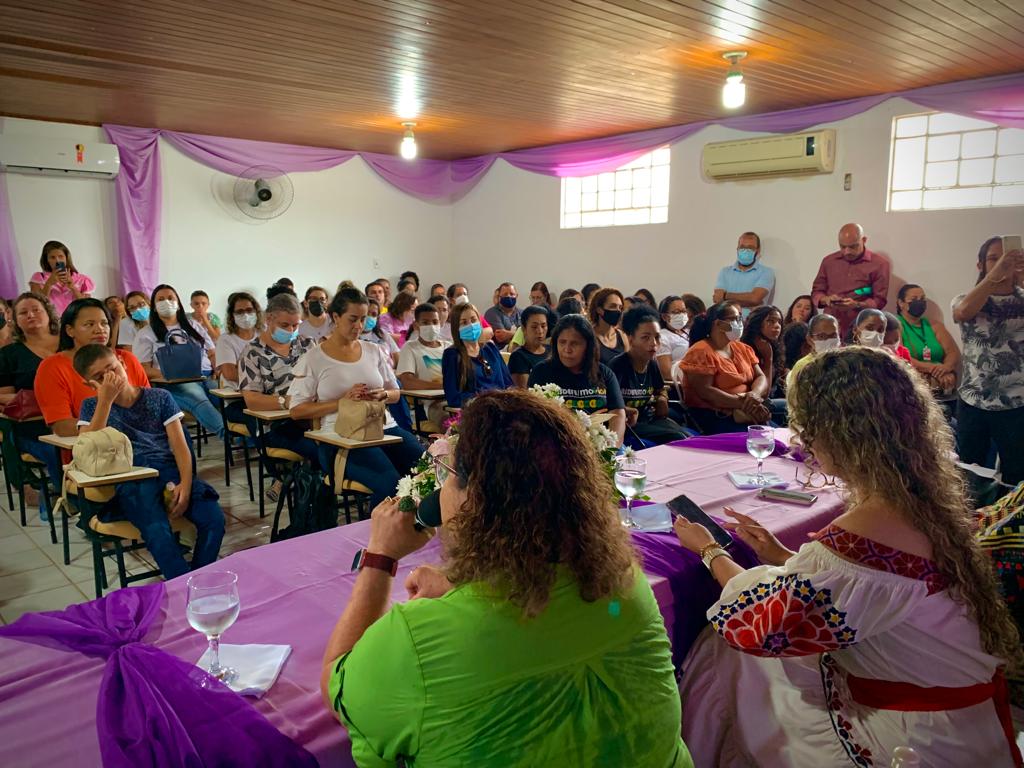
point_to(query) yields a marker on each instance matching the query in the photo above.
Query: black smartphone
(684, 507)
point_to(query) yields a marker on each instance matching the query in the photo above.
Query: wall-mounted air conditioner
(58, 157)
(795, 154)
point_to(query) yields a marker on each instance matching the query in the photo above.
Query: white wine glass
(212, 607)
(630, 480)
(760, 444)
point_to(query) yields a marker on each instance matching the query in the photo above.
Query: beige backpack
(102, 453)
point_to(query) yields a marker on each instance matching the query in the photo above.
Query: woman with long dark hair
(470, 365)
(800, 311)
(244, 321)
(762, 332)
(933, 352)
(58, 279)
(540, 296)
(605, 313)
(675, 338)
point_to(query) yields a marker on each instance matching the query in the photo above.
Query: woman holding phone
(57, 279)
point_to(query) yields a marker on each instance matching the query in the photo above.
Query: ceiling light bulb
(407, 148)
(734, 92)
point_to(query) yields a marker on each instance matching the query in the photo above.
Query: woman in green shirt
(538, 644)
(933, 353)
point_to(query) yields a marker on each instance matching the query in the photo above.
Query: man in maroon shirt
(851, 279)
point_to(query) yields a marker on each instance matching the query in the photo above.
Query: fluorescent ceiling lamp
(407, 149)
(734, 92)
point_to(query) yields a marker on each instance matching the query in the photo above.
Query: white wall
(508, 227)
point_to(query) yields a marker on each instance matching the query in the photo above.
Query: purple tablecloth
(294, 591)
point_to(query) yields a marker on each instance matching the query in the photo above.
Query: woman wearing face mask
(373, 333)
(345, 367)
(933, 353)
(725, 386)
(605, 311)
(244, 321)
(166, 315)
(869, 329)
(136, 305)
(471, 365)
(822, 335)
(316, 323)
(675, 339)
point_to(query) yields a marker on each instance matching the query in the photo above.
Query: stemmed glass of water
(630, 480)
(213, 607)
(760, 444)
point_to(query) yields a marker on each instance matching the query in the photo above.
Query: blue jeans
(378, 468)
(193, 398)
(141, 504)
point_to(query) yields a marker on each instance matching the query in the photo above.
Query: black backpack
(316, 507)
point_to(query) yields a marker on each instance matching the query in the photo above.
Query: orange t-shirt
(730, 375)
(60, 390)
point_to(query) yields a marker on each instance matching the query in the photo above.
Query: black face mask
(3, 321)
(917, 307)
(316, 308)
(611, 316)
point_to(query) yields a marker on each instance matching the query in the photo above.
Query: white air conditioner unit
(58, 157)
(796, 154)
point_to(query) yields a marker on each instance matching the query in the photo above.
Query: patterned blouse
(262, 370)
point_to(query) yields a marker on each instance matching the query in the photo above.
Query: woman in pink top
(58, 280)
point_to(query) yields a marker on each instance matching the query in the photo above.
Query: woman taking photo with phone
(57, 279)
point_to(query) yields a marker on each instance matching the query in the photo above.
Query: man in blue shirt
(747, 282)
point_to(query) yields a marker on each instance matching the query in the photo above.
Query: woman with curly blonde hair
(887, 630)
(540, 642)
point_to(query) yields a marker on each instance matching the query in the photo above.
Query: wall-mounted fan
(262, 192)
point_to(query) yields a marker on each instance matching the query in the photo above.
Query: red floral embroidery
(786, 617)
(871, 554)
(861, 756)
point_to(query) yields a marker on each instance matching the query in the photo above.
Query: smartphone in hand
(1012, 243)
(683, 506)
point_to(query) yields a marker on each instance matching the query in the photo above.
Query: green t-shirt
(916, 339)
(464, 680)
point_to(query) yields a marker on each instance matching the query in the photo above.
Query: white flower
(405, 487)
(583, 418)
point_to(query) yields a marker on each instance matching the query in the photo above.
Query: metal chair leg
(98, 570)
(44, 489)
(122, 572)
(64, 530)
(21, 506)
(248, 469)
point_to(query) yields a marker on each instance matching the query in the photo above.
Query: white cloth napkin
(257, 666)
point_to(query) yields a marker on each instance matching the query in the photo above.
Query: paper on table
(747, 481)
(257, 665)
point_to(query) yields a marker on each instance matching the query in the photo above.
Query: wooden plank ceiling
(480, 76)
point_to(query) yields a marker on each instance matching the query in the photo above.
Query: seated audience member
(823, 335)
(58, 279)
(725, 387)
(316, 323)
(504, 317)
(587, 291)
(136, 305)
(286, 282)
(695, 307)
(639, 377)
(762, 332)
(534, 348)
(458, 293)
(419, 362)
(746, 281)
(59, 389)
(245, 321)
(386, 285)
(399, 317)
(443, 306)
(892, 342)
(407, 286)
(796, 343)
(647, 296)
(115, 308)
(6, 324)
(437, 289)
(540, 296)
(344, 366)
(674, 338)
(991, 318)
(278, 288)
(471, 366)
(569, 306)
(265, 373)
(167, 316)
(800, 311)
(572, 293)
(933, 352)
(346, 284)
(851, 279)
(411, 277)
(629, 302)
(575, 366)
(375, 291)
(201, 314)
(151, 421)
(869, 328)
(374, 334)
(604, 313)
(858, 630)
(541, 606)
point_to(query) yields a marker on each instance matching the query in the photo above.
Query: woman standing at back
(58, 279)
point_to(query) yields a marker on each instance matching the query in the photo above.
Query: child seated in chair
(151, 419)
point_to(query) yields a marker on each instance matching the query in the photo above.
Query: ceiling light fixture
(408, 146)
(734, 92)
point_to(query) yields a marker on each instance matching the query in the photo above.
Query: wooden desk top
(277, 415)
(227, 394)
(330, 437)
(83, 480)
(67, 443)
(424, 394)
(187, 380)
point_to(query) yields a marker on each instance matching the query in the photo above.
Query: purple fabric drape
(152, 709)
(730, 442)
(10, 261)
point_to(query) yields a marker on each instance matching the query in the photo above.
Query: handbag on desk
(103, 452)
(23, 406)
(357, 420)
(181, 357)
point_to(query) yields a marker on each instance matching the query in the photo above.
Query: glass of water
(760, 444)
(630, 480)
(212, 608)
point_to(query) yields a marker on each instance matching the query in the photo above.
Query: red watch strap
(380, 562)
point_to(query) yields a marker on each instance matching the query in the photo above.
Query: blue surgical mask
(370, 324)
(141, 314)
(508, 302)
(746, 256)
(471, 332)
(281, 336)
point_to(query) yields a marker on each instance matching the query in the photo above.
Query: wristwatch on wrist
(364, 559)
(709, 554)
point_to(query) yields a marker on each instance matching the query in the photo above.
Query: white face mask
(735, 330)
(871, 338)
(463, 299)
(678, 321)
(824, 345)
(430, 332)
(245, 320)
(167, 308)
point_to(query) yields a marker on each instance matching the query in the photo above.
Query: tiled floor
(33, 576)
